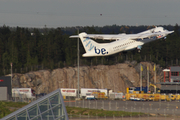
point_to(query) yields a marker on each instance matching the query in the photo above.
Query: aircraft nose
(170, 32)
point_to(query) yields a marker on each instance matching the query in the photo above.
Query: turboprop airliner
(122, 42)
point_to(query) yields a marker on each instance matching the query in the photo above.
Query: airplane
(122, 42)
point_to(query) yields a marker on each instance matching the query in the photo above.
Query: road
(160, 107)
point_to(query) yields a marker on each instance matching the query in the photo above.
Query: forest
(30, 49)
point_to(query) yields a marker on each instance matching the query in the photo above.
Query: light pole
(78, 59)
(11, 77)
(141, 69)
(147, 79)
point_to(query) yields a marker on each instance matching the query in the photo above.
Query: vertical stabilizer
(88, 43)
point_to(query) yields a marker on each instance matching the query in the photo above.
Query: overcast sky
(62, 13)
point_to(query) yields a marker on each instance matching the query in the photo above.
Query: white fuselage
(117, 46)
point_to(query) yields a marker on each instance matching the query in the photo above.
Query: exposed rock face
(116, 77)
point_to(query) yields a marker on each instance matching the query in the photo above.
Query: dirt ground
(131, 118)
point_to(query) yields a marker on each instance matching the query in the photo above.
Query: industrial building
(171, 82)
(5, 88)
(172, 74)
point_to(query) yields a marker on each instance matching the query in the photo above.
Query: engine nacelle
(139, 47)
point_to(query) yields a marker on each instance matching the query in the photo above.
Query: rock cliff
(116, 77)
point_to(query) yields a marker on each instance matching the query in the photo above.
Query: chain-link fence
(161, 110)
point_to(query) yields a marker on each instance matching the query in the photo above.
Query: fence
(161, 110)
(17, 97)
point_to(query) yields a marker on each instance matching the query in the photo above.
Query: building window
(174, 73)
(176, 80)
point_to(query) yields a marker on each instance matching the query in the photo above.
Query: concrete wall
(3, 93)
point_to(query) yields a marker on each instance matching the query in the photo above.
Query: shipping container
(68, 92)
(114, 95)
(23, 92)
(84, 91)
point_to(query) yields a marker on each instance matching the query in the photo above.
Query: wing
(122, 36)
(146, 35)
(119, 36)
(105, 36)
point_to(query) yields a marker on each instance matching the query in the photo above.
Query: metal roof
(175, 69)
(170, 87)
(50, 107)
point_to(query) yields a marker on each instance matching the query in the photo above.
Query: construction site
(169, 90)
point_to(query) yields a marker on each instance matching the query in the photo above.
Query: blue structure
(143, 89)
(131, 89)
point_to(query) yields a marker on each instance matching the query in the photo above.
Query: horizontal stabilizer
(74, 36)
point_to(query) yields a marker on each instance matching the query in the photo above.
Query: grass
(74, 111)
(9, 107)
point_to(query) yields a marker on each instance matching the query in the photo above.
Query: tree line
(50, 48)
